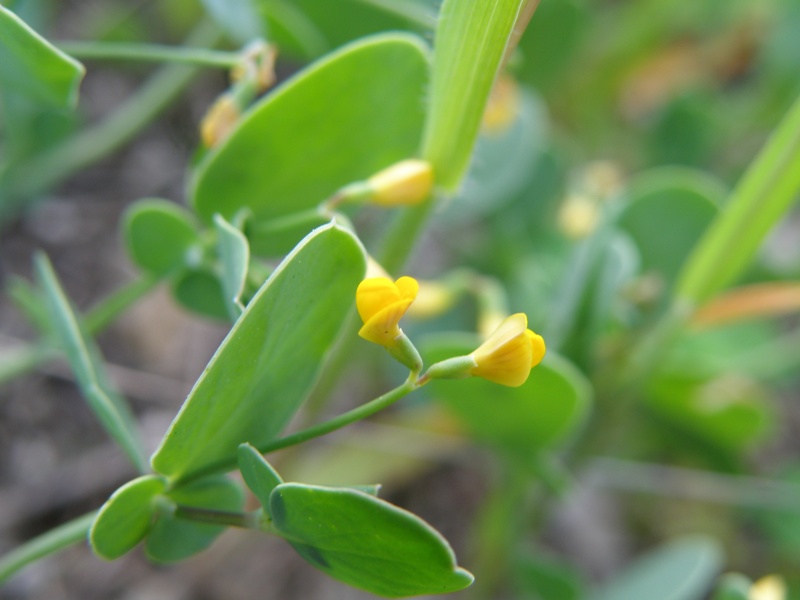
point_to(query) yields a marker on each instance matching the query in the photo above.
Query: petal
(509, 364)
(408, 287)
(375, 294)
(510, 328)
(382, 327)
(537, 344)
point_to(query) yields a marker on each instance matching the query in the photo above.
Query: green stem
(48, 543)
(403, 234)
(357, 414)
(92, 144)
(202, 57)
(28, 358)
(249, 520)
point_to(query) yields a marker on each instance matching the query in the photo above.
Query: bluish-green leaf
(542, 413)
(258, 474)
(502, 165)
(159, 235)
(264, 369)
(669, 210)
(34, 67)
(470, 41)
(200, 290)
(240, 19)
(172, 539)
(126, 517)
(365, 542)
(341, 120)
(683, 569)
(543, 578)
(277, 237)
(84, 359)
(234, 253)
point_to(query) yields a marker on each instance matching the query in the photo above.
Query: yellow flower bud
(405, 183)
(503, 106)
(219, 120)
(509, 354)
(771, 587)
(578, 216)
(381, 304)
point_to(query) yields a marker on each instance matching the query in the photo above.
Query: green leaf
(544, 412)
(159, 235)
(341, 120)
(200, 291)
(84, 359)
(730, 413)
(239, 19)
(763, 195)
(470, 41)
(126, 517)
(264, 369)
(258, 474)
(34, 67)
(234, 251)
(683, 569)
(732, 586)
(172, 539)
(365, 542)
(277, 237)
(542, 578)
(669, 210)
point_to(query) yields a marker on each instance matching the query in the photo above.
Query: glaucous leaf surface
(340, 120)
(34, 67)
(234, 252)
(126, 517)
(263, 370)
(544, 412)
(200, 291)
(669, 210)
(258, 474)
(159, 234)
(683, 569)
(276, 237)
(241, 20)
(85, 361)
(365, 542)
(171, 539)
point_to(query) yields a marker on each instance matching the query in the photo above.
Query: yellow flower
(771, 587)
(381, 304)
(402, 184)
(509, 354)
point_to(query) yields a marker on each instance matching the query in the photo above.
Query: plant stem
(357, 414)
(90, 145)
(48, 543)
(249, 520)
(104, 313)
(27, 358)
(202, 57)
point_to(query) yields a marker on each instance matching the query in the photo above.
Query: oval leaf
(264, 369)
(159, 234)
(545, 411)
(683, 569)
(341, 120)
(234, 252)
(200, 291)
(126, 517)
(365, 542)
(172, 539)
(258, 474)
(34, 67)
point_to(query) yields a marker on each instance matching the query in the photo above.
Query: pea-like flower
(509, 354)
(506, 357)
(381, 303)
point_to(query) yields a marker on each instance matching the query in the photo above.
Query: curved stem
(247, 520)
(202, 57)
(48, 543)
(351, 416)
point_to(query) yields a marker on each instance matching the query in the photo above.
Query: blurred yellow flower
(381, 303)
(771, 587)
(402, 184)
(509, 354)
